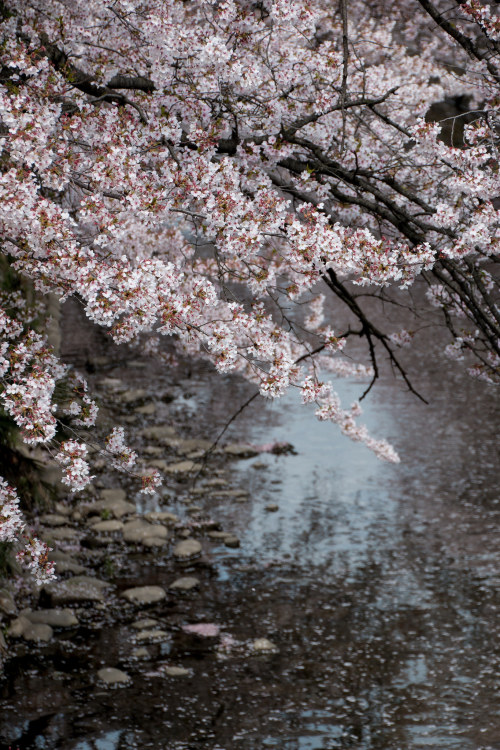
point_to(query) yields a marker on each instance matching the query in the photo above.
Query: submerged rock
(143, 595)
(113, 676)
(187, 549)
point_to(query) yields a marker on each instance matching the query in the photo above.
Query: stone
(136, 532)
(18, 626)
(186, 583)
(140, 653)
(7, 603)
(111, 383)
(116, 507)
(176, 671)
(193, 509)
(61, 534)
(230, 493)
(162, 516)
(158, 463)
(272, 508)
(148, 410)
(79, 589)
(218, 535)
(183, 467)
(38, 633)
(187, 549)
(112, 676)
(61, 509)
(216, 482)
(158, 432)
(142, 595)
(260, 465)
(186, 446)
(53, 519)
(231, 541)
(153, 541)
(66, 566)
(133, 396)
(263, 645)
(141, 624)
(56, 618)
(107, 527)
(152, 450)
(240, 450)
(114, 494)
(152, 635)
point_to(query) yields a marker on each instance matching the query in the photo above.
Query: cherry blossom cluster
(201, 170)
(34, 554)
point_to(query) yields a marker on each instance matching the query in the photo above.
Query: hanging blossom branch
(196, 170)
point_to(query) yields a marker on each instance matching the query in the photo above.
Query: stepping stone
(136, 532)
(53, 519)
(111, 676)
(183, 467)
(61, 534)
(7, 603)
(158, 432)
(187, 549)
(176, 671)
(133, 396)
(148, 410)
(117, 507)
(231, 541)
(162, 516)
(56, 618)
(18, 626)
(107, 527)
(187, 583)
(141, 624)
(76, 590)
(153, 635)
(239, 450)
(38, 633)
(263, 646)
(154, 541)
(143, 595)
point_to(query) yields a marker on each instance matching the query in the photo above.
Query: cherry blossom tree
(211, 170)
